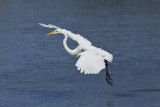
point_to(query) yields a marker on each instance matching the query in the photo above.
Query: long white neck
(72, 52)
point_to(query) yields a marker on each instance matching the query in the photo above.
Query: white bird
(92, 59)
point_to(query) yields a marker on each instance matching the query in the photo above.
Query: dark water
(36, 71)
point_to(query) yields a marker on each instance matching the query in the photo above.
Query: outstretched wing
(77, 37)
(106, 55)
(49, 26)
(90, 63)
(80, 40)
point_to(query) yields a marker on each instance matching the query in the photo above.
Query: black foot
(108, 78)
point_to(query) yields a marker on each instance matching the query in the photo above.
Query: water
(36, 71)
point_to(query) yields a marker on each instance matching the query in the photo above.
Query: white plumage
(49, 26)
(91, 59)
(78, 38)
(90, 63)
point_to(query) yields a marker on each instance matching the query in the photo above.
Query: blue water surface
(36, 71)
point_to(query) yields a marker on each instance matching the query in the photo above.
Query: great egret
(92, 59)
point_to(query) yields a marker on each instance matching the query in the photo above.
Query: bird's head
(55, 31)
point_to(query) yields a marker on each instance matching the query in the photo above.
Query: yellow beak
(51, 32)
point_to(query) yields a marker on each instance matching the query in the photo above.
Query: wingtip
(41, 24)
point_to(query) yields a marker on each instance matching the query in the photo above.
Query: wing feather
(90, 63)
(106, 55)
(49, 26)
(80, 39)
(77, 37)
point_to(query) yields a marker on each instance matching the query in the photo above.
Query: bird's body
(85, 45)
(92, 59)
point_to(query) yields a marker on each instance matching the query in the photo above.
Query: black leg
(108, 78)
